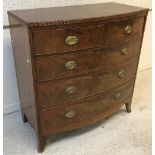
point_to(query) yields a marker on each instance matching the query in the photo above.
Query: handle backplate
(128, 29)
(70, 65)
(124, 51)
(71, 40)
(118, 95)
(70, 90)
(70, 114)
(121, 74)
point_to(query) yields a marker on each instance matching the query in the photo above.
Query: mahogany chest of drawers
(75, 65)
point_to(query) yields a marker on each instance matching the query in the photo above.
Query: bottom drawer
(92, 109)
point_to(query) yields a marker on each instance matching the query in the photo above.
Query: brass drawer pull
(121, 74)
(124, 51)
(118, 95)
(70, 90)
(70, 65)
(71, 40)
(70, 114)
(128, 29)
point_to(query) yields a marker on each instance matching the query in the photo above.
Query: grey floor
(120, 134)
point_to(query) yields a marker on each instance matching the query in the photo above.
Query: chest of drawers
(75, 65)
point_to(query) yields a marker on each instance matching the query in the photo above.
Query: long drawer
(84, 112)
(67, 90)
(73, 64)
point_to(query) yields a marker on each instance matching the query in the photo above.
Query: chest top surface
(88, 12)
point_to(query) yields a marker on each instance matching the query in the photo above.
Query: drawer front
(66, 65)
(71, 39)
(85, 112)
(67, 90)
(124, 29)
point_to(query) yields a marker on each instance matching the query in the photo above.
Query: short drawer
(73, 64)
(69, 39)
(66, 90)
(78, 114)
(123, 29)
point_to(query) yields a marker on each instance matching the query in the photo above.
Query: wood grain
(53, 41)
(86, 111)
(104, 77)
(115, 31)
(53, 92)
(53, 67)
(21, 53)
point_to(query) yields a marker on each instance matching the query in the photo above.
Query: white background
(11, 99)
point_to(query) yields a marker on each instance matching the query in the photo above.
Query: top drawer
(123, 29)
(70, 39)
(80, 38)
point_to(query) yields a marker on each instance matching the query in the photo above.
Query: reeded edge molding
(85, 20)
(79, 21)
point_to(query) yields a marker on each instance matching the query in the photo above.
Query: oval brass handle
(118, 95)
(70, 90)
(70, 114)
(128, 29)
(71, 40)
(124, 51)
(70, 65)
(121, 73)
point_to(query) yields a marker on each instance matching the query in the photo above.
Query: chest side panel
(22, 60)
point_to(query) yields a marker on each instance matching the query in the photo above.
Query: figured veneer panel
(52, 92)
(90, 110)
(53, 41)
(53, 67)
(116, 31)
(88, 37)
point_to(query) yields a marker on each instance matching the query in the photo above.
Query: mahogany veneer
(75, 65)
